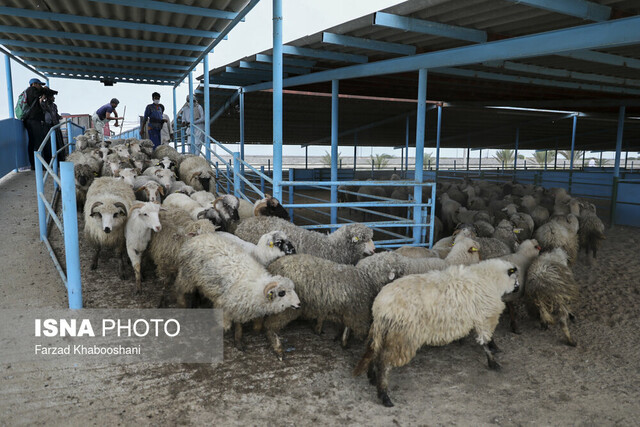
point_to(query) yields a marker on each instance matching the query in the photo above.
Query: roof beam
(603, 58)
(265, 67)
(535, 81)
(250, 72)
(324, 54)
(98, 39)
(578, 8)
(21, 62)
(287, 61)
(97, 51)
(422, 26)
(154, 65)
(223, 35)
(116, 79)
(360, 43)
(173, 8)
(555, 72)
(619, 32)
(90, 69)
(102, 22)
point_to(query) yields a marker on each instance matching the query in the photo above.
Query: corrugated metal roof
(575, 79)
(144, 42)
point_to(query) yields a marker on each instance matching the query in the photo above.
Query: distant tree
(539, 157)
(521, 157)
(427, 157)
(380, 160)
(326, 159)
(577, 155)
(505, 156)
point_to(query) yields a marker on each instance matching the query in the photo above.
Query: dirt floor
(543, 381)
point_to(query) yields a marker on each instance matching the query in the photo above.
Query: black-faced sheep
(233, 280)
(435, 309)
(270, 206)
(347, 245)
(105, 214)
(269, 248)
(550, 288)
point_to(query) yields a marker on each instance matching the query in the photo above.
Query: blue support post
(182, 139)
(7, 65)
(207, 108)
(192, 149)
(616, 167)
(355, 153)
(241, 96)
(277, 99)
(262, 179)
(468, 152)
(438, 138)
(42, 222)
(334, 149)
(228, 179)
(480, 159)
(175, 115)
(420, 132)
(71, 250)
(306, 157)
(236, 174)
(292, 177)
(573, 140)
(406, 147)
(515, 156)
(217, 178)
(70, 137)
(54, 148)
(546, 155)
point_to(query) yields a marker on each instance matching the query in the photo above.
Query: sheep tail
(363, 364)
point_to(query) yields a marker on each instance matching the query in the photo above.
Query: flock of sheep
(257, 266)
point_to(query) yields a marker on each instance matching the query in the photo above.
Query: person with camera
(34, 120)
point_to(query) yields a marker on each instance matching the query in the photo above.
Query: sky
(301, 18)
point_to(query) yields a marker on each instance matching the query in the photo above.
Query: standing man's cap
(32, 81)
(115, 101)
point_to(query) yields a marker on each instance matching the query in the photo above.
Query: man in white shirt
(166, 133)
(198, 120)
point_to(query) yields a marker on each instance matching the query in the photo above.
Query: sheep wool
(435, 309)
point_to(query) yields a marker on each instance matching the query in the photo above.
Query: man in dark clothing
(52, 118)
(153, 116)
(103, 115)
(34, 121)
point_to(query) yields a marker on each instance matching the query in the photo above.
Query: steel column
(573, 141)
(515, 157)
(236, 174)
(175, 116)
(616, 167)
(42, 222)
(207, 107)
(438, 138)
(406, 147)
(277, 99)
(241, 96)
(334, 148)
(71, 250)
(192, 148)
(7, 64)
(54, 149)
(480, 160)
(355, 153)
(420, 131)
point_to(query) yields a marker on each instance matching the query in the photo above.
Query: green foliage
(539, 156)
(577, 155)
(326, 159)
(380, 160)
(505, 156)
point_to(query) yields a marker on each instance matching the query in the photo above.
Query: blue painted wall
(13, 146)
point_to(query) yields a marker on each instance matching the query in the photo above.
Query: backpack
(22, 109)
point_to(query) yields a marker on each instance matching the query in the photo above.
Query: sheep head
(270, 206)
(279, 241)
(280, 294)
(149, 214)
(83, 174)
(111, 215)
(227, 207)
(359, 237)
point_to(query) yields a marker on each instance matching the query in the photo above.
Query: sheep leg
(237, 337)
(257, 325)
(319, 326)
(565, 328)
(545, 318)
(121, 268)
(276, 344)
(383, 382)
(493, 347)
(94, 261)
(493, 364)
(345, 337)
(371, 374)
(512, 318)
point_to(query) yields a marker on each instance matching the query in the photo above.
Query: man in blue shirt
(153, 116)
(103, 115)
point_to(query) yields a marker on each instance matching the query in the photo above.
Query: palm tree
(505, 156)
(326, 159)
(427, 158)
(577, 155)
(380, 160)
(539, 156)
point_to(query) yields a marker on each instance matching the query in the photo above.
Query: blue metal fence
(13, 146)
(64, 184)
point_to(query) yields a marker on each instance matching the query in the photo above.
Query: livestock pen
(475, 75)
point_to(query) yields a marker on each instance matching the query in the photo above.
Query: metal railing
(64, 184)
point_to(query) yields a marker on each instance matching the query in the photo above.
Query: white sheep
(105, 213)
(233, 280)
(435, 308)
(166, 177)
(186, 203)
(560, 232)
(270, 247)
(143, 219)
(148, 189)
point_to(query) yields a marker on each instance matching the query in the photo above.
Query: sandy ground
(543, 381)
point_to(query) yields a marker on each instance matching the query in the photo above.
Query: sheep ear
(95, 205)
(270, 243)
(512, 270)
(201, 214)
(161, 189)
(196, 174)
(355, 239)
(517, 230)
(473, 249)
(270, 290)
(136, 206)
(392, 275)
